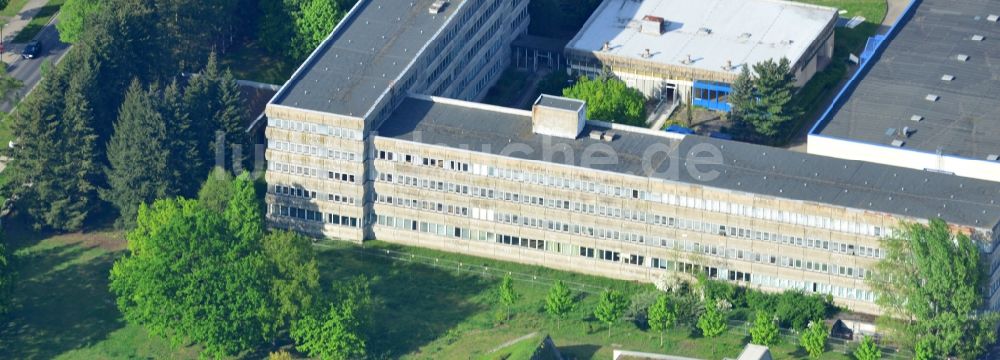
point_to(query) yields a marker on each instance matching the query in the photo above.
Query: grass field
(441, 312)
(41, 19)
(428, 308)
(64, 310)
(12, 8)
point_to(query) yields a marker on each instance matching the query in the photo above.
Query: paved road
(29, 71)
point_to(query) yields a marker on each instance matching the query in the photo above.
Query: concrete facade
(429, 172)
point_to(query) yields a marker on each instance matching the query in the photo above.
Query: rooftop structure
(710, 36)
(930, 100)
(367, 52)
(744, 167)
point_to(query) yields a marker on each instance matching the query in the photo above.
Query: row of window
(312, 215)
(725, 207)
(673, 222)
(614, 256)
(313, 128)
(306, 194)
(711, 250)
(312, 150)
(424, 205)
(309, 171)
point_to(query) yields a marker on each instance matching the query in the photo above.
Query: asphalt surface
(29, 71)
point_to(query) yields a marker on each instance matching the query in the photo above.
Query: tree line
(118, 122)
(205, 271)
(285, 28)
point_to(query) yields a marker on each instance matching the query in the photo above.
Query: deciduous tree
(814, 339)
(193, 275)
(317, 19)
(867, 350)
(295, 285)
(609, 99)
(713, 321)
(764, 330)
(611, 307)
(928, 288)
(661, 315)
(73, 16)
(337, 331)
(559, 301)
(507, 295)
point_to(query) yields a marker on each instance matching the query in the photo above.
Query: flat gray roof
(559, 102)
(745, 167)
(368, 50)
(744, 32)
(965, 120)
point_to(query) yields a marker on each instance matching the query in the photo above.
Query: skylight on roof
(978, 38)
(962, 57)
(931, 97)
(947, 77)
(916, 118)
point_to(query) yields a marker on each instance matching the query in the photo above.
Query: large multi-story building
(926, 96)
(359, 149)
(675, 48)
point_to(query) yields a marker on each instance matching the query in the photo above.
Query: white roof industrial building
(718, 35)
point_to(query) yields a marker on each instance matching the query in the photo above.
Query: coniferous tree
(763, 100)
(54, 162)
(186, 160)
(138, 155)
(232, 121)
(200, 100)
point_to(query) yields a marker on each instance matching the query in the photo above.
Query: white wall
(903, 157)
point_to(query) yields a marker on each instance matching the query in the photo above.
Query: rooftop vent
(652, 25)
(916, 118)
(688, 60)
(606, 46)
(962, 57)
(978, 38)
(646, 54)
(906, 131)
(596, 134)
(558, 116)
(744, 36)
(898, 143)
(993, 157)
(947, 77)
(704, 31)
(931, 97)
(993, 18)
(608, 136)
(437, 7)
(728, 66)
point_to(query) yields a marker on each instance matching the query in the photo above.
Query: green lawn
(41, 19)
(442, 312)
(429, 307)
(12, 8)
(64, 310)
